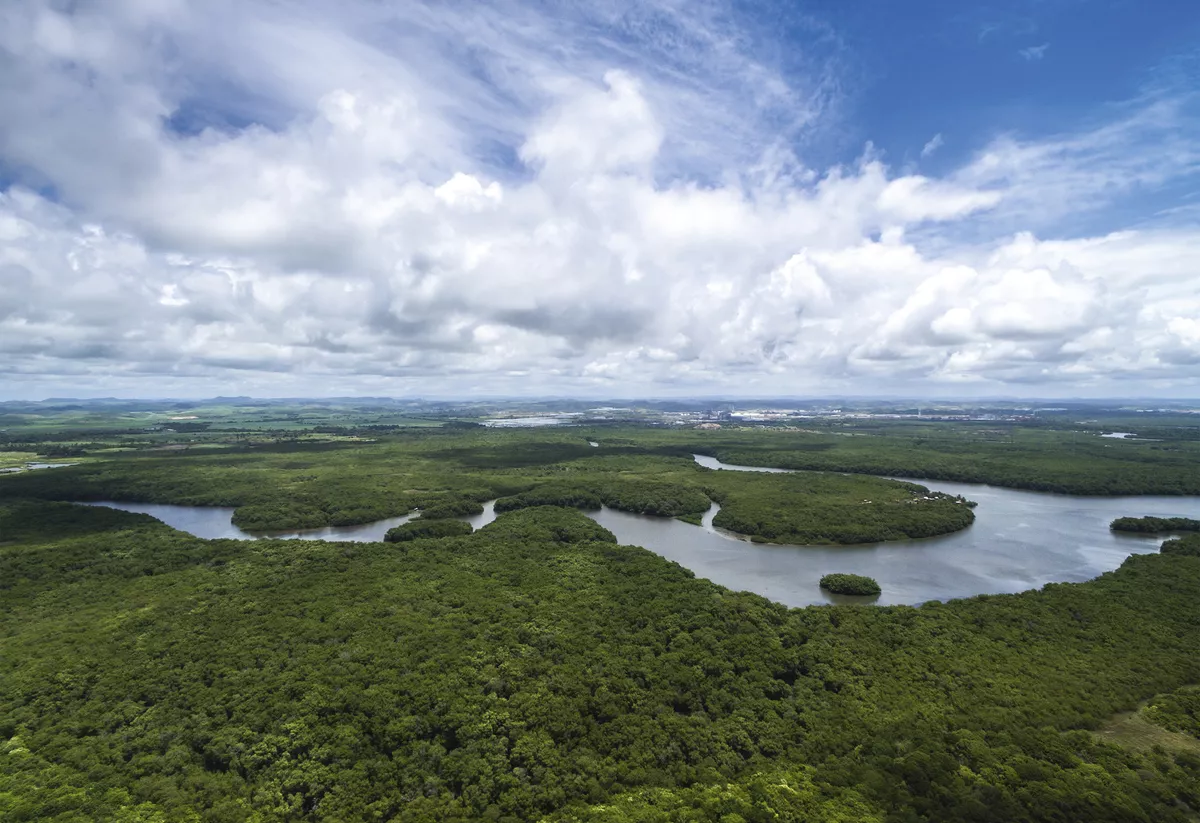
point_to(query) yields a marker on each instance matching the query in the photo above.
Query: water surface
(1020, 540)
(216, 523)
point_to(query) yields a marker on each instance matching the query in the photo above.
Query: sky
(935, 198)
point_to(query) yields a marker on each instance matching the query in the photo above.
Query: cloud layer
(442, 199)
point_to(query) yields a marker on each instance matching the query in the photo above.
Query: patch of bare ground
(1133, 731)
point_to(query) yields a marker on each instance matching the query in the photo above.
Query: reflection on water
(1020, 540)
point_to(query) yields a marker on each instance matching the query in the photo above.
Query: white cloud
(1034, 53)
(935, 143)
(482, 199)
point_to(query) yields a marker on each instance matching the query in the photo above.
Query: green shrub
(1177, 711)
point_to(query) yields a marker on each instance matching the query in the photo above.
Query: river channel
(1020, 540)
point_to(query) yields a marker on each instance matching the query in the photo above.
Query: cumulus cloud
(446, 199)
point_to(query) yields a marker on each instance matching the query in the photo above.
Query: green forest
(1034, 458)
(447, 473)
(535, 670)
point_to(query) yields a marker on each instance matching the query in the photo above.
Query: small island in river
(853, 584)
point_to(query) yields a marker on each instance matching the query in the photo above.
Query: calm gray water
(216, 523)
(1020, 540)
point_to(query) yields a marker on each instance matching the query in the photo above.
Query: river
(216, 523)
(1020, 540)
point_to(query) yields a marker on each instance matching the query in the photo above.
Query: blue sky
(972, 70)
(602, 199)
(1033, 68)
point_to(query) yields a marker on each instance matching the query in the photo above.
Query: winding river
(1020, 540)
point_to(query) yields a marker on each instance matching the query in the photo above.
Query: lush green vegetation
(1155, 525)
(548, 524)
(1177, 711)
(553, 494)
(1188, 545)
(1047, 450)
(453, 507)
(855, 584)
(294, 485)
(446, 473)
(418, 529)
(1020, 457)
(812, 507)
(536, 669)
(638, 496)
(659, 499)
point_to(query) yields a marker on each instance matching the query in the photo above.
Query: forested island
(416, 529)
(851, 584)
(1155, 525)
(535, 669)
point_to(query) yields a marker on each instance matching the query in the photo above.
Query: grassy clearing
(1133, 731)
(9, 460)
